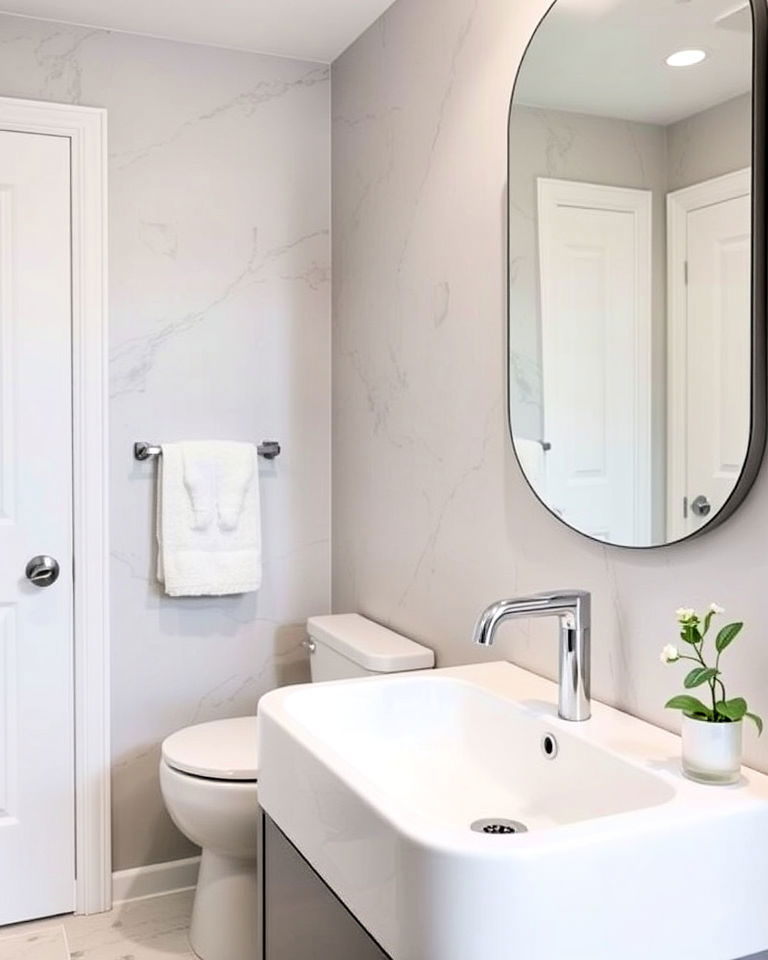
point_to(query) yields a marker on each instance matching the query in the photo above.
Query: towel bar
(145, 451)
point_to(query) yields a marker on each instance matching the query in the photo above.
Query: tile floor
(151, 929)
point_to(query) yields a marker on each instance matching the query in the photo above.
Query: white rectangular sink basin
(378, 783)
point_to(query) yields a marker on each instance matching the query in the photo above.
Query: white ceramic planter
(712, 751)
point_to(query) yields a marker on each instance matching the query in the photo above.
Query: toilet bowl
(209, 780)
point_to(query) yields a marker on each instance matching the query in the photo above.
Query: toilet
(209, 780)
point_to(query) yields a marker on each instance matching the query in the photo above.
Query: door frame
(551, 194)
(679, 204)
(86, 129)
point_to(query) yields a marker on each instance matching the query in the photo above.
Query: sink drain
(499, 827)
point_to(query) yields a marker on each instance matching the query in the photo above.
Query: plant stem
(699, 656)
(712, 682)
(722, 687)
(717, 667)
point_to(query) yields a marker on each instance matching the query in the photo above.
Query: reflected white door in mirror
(709, 271)
(594, 246)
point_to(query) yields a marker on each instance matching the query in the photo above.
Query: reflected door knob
(701, 507)
(42, 571)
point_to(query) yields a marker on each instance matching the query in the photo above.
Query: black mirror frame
(758, 434)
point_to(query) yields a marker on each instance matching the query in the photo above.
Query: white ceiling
(607, 57)
(305, 29)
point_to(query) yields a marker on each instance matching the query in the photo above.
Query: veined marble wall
(219, 279)
(432, 518)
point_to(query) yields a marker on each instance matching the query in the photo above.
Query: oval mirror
(637, 310)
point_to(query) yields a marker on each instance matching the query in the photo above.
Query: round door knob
(701, 507)
(42, 571)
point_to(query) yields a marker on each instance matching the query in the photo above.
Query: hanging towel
(208, 519)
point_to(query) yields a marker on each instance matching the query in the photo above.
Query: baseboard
(156, 879)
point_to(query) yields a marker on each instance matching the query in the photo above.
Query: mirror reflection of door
(594, 246)
(630, 156)
(709, 256)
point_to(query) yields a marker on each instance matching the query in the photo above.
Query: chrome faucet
(573, 607)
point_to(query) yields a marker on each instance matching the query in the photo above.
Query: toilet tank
(347, 645)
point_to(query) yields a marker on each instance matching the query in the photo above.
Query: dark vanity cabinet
(303, 918)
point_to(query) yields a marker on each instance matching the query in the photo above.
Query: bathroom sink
(445, 752)
(459, 818)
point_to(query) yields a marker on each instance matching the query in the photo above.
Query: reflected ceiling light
(686, 58)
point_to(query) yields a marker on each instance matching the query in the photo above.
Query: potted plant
(712, 727)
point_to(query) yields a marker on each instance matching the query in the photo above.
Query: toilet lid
(219, 750)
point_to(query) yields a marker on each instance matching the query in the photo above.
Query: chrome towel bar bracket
(142, 450)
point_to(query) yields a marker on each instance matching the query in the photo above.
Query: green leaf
(708, 621)
(733, 710)
(690, 634)
(727, 635)
(758, 722)
(690, 706)
(699, 675)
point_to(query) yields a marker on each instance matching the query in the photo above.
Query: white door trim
(679, 205)
(86, 128)
(553, 193)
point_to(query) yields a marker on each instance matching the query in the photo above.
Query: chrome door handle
(701, 507)
(42, 571)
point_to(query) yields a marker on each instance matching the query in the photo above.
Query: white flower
(685, 615)
(714, 608)
(669, 654)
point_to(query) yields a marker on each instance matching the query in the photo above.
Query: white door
(595, 268)
(36, 687)
(710, 320)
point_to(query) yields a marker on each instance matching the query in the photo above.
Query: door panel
(36, 689)
(595, 246)
(719, 331)
(710, 362)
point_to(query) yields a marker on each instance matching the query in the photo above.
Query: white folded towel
(208, 519)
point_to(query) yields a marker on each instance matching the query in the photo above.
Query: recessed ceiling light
(686, 58)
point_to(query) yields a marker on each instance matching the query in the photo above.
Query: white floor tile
(47, 944)
(152, 929)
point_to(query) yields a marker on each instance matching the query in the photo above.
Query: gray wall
(219, 282)
(432, 519)
(710, 143)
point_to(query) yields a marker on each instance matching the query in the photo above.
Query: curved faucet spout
(573, 609)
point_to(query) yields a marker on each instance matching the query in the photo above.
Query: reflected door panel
(594, 244)
(710, 348)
